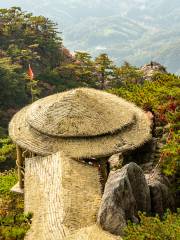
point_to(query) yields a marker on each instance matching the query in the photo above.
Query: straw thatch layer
(128, 138)
(93, 232)
(80, 113)
(65, 198)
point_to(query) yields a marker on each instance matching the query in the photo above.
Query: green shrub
(13, 223)
(152, 228)
(14, 227)
(7, 149)
(162, 95)
(7, 180)
(171, 154)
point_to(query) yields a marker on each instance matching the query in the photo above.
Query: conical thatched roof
(78, 113)
(83, 123)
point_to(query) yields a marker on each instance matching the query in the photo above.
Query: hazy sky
(133, 30)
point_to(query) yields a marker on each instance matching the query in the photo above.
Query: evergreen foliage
(12, 84)
(127, 74)
(104, 70)
(153, 228)
(6, 149)
(162, 96)
(29, 39)
(25, 39)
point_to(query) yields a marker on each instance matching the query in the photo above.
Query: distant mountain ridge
(137, 31)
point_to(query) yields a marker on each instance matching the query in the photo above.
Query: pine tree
(105, 70)
(127, 74)
(30, 39)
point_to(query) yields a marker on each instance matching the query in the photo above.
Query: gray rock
(161, 195)
(150, 69)
(139, 187)
(126, 192)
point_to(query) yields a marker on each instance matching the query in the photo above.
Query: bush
(14, 227)
(6, 149)
(152, 228)
(7, 180)
(162, 95)
(13, 223)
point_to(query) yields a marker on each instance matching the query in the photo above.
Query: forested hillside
(27, 39)
(136, 31)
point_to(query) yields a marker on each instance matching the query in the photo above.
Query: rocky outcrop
(150, 69)
(126, 192)
(161, 194)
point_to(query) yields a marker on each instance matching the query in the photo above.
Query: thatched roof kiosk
(75, 125)
(83, 123)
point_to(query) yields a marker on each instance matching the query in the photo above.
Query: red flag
(30, 72)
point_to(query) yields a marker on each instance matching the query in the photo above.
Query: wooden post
(103, 172)
(19, 163)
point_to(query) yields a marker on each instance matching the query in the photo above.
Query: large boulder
(139, 187)
(126, 192)
(161, 195)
